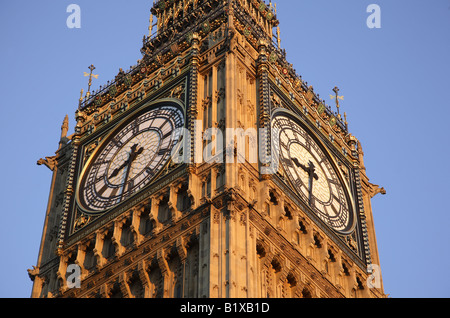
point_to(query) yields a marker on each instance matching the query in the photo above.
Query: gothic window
(291, 285)
(276, 265)
(146, 224)
(70, 261)
(306, 293)
(302, 227)
(192, 270)
(331, 256)
(89, 259)
(317, 242)
(274, 281)
(136, 286)
(115, 291)
(183, 200)
(206, 187)
(207, 102)
(176, 269)
(273, 198)
(126, 238)
(163, 210)
(273, 202)
(358, 292)
(219, 179)
(345, 269)
(157, 283)
(242, 182)
(260, 250)
(109, 249)
(360, 283)
(287, 213)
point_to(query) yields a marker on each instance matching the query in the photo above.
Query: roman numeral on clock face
(162, 152)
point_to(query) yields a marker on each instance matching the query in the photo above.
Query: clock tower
(208, 170)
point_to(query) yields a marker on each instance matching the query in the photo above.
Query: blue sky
(395, 81)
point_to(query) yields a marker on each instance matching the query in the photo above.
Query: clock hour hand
(133, 155)
(311, 171)
(116, 172)
(299, 165)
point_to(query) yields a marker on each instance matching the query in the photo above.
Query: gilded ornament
(321, 108)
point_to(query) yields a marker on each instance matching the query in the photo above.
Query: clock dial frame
(130, 157)
(313, 172)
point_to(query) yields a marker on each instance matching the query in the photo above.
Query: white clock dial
(313, 174)
(129, 158)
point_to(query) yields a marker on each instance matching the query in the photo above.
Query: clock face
(129, 158)
(313, 174)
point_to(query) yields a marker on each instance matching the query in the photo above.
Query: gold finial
(345, 121)
(65, 127)
(278, 38)
(337, 97)
(150, 28)
(81, 97)
(92, 68)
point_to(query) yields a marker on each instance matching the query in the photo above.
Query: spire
(91, 68)
(150, 27)
(81, 98)
(65, 127)
(278, 38)
(278, 28)
(337, 98)
(345, 121)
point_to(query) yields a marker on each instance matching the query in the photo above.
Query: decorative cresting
(264, 119)
(177, 22)
(360, 203)
(193, 92)
(68, 195)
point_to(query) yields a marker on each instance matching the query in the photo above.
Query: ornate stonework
(204, 229)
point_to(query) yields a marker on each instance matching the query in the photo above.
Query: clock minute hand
(133, 155)
(312, 176)
(116, 172)
(311, 171)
